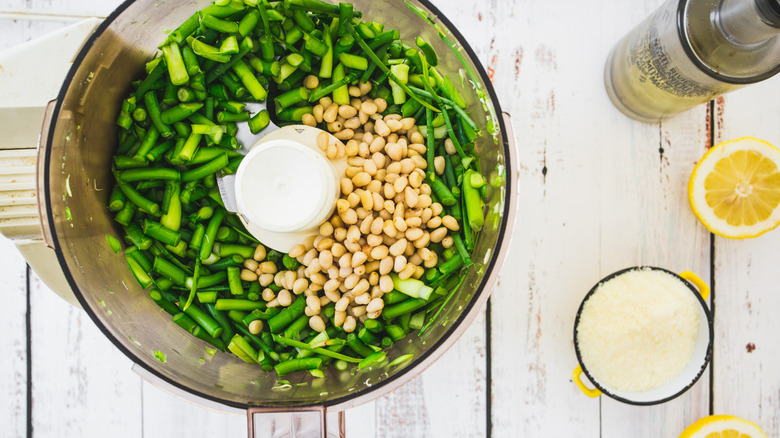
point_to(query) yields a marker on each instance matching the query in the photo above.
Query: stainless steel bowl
(77, 147)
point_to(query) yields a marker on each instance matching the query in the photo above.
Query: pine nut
(393, 125)
(331, 113)
(351, 281)
(300, 285)
(450, 222)
(449, 147)
(352, 148)
(353, 234)
(358, 259)
(375, 305)
(267, 267)
(419, 161)
(407, 271)
(424, 201)
(447, 242)
(268, 295)
(266, 279)
(251, 264)
(284, 297)
(410, 197)
(415, 179)
(349, 217)
(381, 104)
(347, 111)
(366, 200)
(259, 253)
(436, 208)
(407, 165)
(432, 262)
(297, 251)
(361, 287)
(353, 200)
(398, 247)
(438, 234)
(318, 278)
(256, 326)
(386, 265)
(399, 264)
(413, 222)
(333, 296)
(381, 128)
(339, 317)
(400, 224)
(362, 300)
(325, 243)
(317, 324)
(308, 120)
(413, 234)
(248, 275)
(379, 252)
(352, 123)
(309, 256)
(361, 179)
(385, 283)
(365, 87)
(342, 304)
(349, 324)
(338, 249)
(345, 260)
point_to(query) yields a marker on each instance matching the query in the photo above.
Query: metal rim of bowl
(418, 364)
(707, 357)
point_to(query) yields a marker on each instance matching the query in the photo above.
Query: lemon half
(735, 188)
(723, 426)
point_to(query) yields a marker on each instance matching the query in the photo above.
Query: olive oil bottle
(690, 51)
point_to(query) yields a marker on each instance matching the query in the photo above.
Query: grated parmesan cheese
(637, 330)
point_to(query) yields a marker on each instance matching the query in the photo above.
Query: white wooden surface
(599, 192)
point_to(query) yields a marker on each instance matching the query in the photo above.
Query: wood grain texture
(165, 416)
(82, 385)
(604, 196)
(747, 283)
(543, 83)
(647, 221)
(13, 341)
(597, 195)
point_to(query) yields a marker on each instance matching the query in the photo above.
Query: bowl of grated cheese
(643, 335)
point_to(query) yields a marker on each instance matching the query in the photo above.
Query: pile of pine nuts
(384, 220)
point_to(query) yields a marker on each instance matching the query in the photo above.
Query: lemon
(723, 426)
(734, 190)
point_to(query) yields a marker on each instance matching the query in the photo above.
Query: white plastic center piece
(284, 186)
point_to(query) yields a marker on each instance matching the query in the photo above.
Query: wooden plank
(747, 283)
(166, 416)
(554, 246)
(592, 214)
(82, 385)
(646, 220)
(13, 343)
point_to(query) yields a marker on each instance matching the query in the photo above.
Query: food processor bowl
(75, 180)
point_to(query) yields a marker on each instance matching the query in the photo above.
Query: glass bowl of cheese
(643, 335)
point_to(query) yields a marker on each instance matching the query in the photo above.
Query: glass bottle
(690, 51)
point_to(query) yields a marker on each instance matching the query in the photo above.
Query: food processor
(56, 169)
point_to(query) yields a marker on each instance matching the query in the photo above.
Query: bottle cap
(770, 11)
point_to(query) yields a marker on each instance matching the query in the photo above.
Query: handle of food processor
(275, 422)
(32, 74)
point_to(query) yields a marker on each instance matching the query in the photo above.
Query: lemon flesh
(723, 426)
(735, 188)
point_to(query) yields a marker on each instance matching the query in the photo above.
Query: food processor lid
(418, 363)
